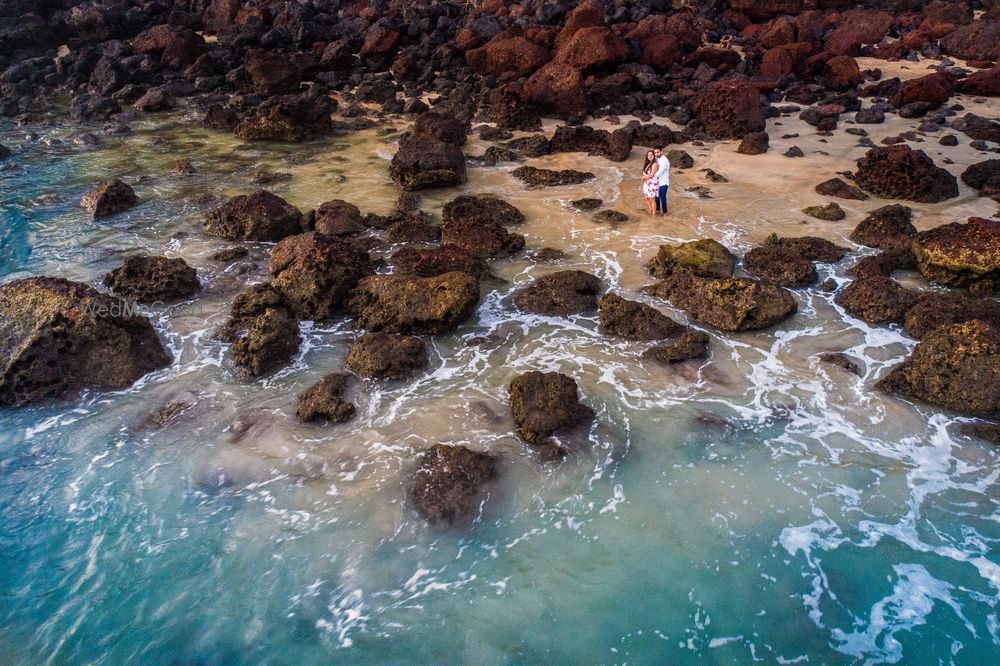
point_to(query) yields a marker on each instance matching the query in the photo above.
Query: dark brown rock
(428, 262)
(387, 356)
(687, 346)
(560, 294)
(899, 172)
(324, 401)
(451, 483)
(482, 208)
(705, 258)
(730, 109)
(271, 339)
(260, 216)
(961, 255)
(634, 320)
(730, 304)
(149, 279)
(403, 304)
(109, 198)
(933, 310)
(876, 300)
(536, 177)
(835, 187)
(58, 337)
(886, 227)
(338, 218)
(755, 143)
(546, 404)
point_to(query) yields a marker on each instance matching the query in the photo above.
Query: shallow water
(760, 506)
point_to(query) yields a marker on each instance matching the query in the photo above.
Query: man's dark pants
(661, 200)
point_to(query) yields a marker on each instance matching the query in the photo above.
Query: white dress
(650, 187)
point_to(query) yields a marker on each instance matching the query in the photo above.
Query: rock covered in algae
(705, 258)
(730, 304)
(58, 336)
(260, 216)
(387, 356)
(324, 401)
(149, 279)
(956, 366)
(405, 304)
(109, 198)
(560, 294)
(544, 404)
(634, 320)
(961, 255)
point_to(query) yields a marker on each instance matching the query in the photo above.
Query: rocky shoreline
(279, 71)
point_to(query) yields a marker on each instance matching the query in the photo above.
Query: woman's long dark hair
(646, 161)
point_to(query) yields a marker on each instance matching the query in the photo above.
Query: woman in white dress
(650, 184)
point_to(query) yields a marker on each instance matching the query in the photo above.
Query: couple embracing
(655, 181)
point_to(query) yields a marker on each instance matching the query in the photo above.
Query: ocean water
(760, 506)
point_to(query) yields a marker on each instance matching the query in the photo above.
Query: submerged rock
(633, 320)
(830, 212)
(546, 404)
(315, 274)
(387, 356)
(58, 336)
(614, 146)
(886, 227)
(687, 346)
(955, 366)
(704, 258)
(451, 484)
(884, 263)
(876, 300)
(324, 401)
(560, 294)
(731, 304)
(780, 265)
(536, 177)
(961, 255)
(402, 304)
(109, 198)
(149, 279)
(610, 217)
(586, 204)
(899, 172)
(842, 361)
(984, 177)
(260, 216)
(422, 164)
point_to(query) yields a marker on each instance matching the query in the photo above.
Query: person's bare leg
(651, 205)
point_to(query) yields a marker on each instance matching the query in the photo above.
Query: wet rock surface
(402, 304)
(546, 404)
(876, 300)
(536, 177)
(109, 198)
(955, 366)
(58, 337)
(451, 483)
(885, 228)
(148, 279)
(705, 258)
(634, 320)
(560, 294)
(324, 401)
(961, 255)
(260, 216)
(687, 346)
(428, 262)
(387, 356)
(730, 304)
(899, 172)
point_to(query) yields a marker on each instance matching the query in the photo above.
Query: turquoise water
(761, 507)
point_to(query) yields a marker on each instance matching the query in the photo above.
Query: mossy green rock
(704, 258)
(830, 212)
(961, 255)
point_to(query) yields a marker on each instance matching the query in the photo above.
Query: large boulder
(270, 73)
(109, 198)
(58, 336)
(147, 279)
(404, 304)
(979, 40)
(591, 48)
(614, 146)
(886, 227)
(315, 274)
(559, 294)
(876, 300)
(961, 255)
(176, 45)
(730, 109)
(387, 356)
(288, 118)
(269, 340)
(482, 208)
(985, 83)
(427, 163)
(932, 90)
(557, 89)
(439, 126)
(933, 310)
(730, 304)
(451, 483)
(324, 401)
(780, 265)
(503, 55)
(260, 216)
(705, 258)
(984, 177)
(978, 128)
(843, 73)
(635, 321)
(899, 172)
(955, 366)
(544, 404)
(338, 218)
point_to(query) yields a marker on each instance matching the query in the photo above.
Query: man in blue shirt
(663, 178)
